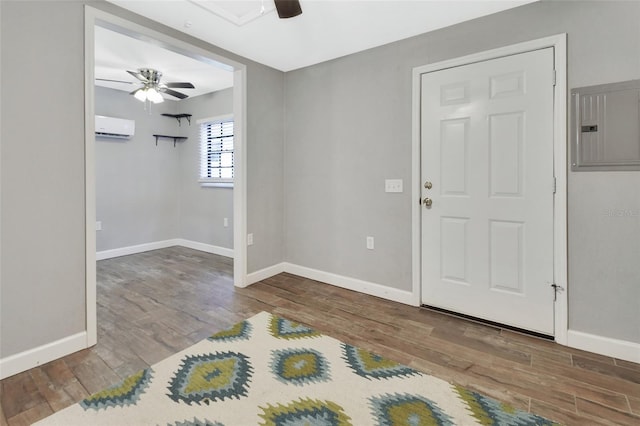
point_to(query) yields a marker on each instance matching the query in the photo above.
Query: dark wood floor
(154, 304)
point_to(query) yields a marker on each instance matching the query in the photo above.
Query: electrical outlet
(370, 244)
(249, 239)
(99, 225)
(393, 185)
(225, 222)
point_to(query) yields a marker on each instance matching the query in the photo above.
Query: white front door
(487, 156)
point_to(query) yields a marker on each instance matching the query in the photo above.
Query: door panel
(487, 148)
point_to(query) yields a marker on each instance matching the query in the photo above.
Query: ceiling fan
(152, 88)
(288, 8)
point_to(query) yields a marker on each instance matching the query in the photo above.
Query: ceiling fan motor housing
(152, 76)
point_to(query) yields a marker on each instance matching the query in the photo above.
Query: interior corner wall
(148, 192)
(348, 128)
(43, 235)
(265, 164)
(137, 181)
(203, 209)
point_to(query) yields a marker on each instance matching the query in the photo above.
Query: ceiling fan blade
(138, 75)
(174, 93)
(288, 8)
(114, 81)
(183, 85)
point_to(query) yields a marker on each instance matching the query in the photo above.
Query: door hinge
(555, 186)
(553, 77)
(556, 289)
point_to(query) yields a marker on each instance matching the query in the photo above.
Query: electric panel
(605, 127)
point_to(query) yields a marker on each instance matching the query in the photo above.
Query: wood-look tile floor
(153, 304)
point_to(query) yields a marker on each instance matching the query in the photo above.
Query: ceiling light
(154, 96)
(148, 93)
(141, 95)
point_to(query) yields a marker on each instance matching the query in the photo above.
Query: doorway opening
(99, 20)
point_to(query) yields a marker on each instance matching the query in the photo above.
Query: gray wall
(147, 193)
(43, 224)
(137, 182)
(265, 163)
(42, 174)
(348, 127)
(203, 209)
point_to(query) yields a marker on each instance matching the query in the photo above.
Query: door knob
(427, 202)
(427, 185)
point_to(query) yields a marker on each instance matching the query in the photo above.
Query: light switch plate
(393, 185)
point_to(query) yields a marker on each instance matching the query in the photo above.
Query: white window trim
(214, 182)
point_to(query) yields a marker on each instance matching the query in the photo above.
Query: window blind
(216, 152)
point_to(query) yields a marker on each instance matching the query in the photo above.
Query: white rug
(271, 371)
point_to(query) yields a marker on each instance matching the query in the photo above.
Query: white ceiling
(116, 53)
(327, 29)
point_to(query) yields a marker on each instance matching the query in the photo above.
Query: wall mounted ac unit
(111, 127)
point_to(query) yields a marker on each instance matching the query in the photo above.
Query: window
(216, 151)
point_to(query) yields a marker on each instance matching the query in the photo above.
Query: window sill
(216, 185)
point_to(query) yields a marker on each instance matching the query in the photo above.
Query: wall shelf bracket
(175, 138)
(180, 117)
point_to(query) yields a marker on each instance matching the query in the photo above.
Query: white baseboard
(31, 358)
(208, 248)
(265, 273)
(621, 349)
(373, 289)
(141, 248)
(354, 284)
(366, 287)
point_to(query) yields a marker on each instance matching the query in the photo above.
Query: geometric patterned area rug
(271, 371)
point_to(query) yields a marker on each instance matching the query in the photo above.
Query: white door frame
(559, 43)
(95, 17)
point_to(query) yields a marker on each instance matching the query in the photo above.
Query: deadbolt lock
(427, 185)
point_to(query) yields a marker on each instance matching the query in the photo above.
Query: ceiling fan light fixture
(154, 96)
(141, 95)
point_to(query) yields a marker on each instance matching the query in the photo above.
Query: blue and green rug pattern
(299, 366)
(125, 393)
(270, 371)
(240, 331)
(372, 366)
(211, 377)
